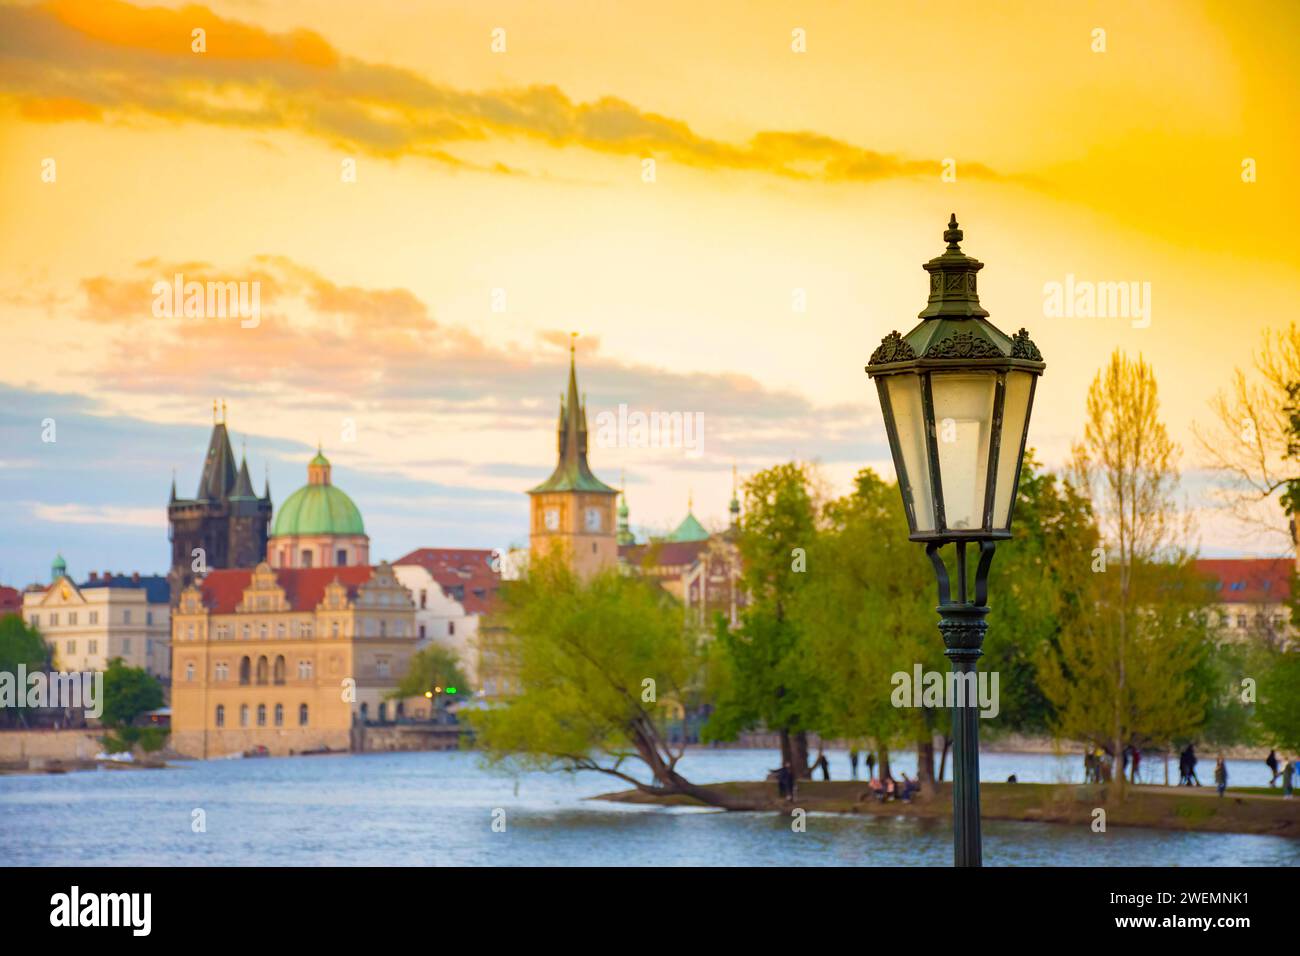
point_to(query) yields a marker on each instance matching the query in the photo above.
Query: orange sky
(778, 174)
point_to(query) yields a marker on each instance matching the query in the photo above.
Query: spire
(572, 473)
(219, 466)
(267, 495)
(243, 484)
(952, 280)
(734, 506)
(318, 469)
(625, 535)
(173, 497)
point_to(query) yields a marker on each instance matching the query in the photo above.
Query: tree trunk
(925, 766)
(882, 767)
(799, 755)
(787, 759)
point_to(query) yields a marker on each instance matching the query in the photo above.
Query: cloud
(96, 60)
(101, 514)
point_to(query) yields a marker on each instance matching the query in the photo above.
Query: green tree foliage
(1279, 701)
(20, 644)
(128, 693)
(601, 662)
(429, 669)
(770, 681)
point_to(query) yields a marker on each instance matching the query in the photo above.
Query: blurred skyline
(501, 202)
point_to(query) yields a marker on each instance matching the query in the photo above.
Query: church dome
(317, 507)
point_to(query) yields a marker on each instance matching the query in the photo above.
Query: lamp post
(956, 393)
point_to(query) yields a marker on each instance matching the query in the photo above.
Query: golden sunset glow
(502, 199)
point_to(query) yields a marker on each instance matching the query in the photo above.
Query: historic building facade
(225, 524)
(1251, 598)
(452, 588)
(286, 658)
(318, 526)
(573, 510)
(106, 616)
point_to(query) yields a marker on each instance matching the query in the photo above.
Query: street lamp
(956, 393)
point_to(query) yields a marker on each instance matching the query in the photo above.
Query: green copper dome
(689, 530)
(317, 509)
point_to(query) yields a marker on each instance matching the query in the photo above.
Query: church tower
(225, 519)
(573, 509)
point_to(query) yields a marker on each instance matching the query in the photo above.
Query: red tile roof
(1249, 580)
(304, 588)
(460, 572)
(663, 553)
(11, 600)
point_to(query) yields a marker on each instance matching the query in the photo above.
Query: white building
(453, 588)
(107, 616)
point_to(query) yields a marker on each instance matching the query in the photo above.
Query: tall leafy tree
(771, 683)
(20, 644)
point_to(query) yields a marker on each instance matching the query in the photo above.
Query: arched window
(243, 715)
(279, 669)
(302, 715)
(365, 711)
(263, 669)
(279, 715)
(261, 715)
(383, 713)
(400, 710)
(334, 629)
(221, 715)
(189, 671)
(245, 668)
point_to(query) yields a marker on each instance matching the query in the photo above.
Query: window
(263, 631)
(189, 632)
(189, 671)
(341, 558)
(278, 673)
(35, 620)
(302, 715)
(383, 628)
(221, 715)
(263, 670)
(126, 645)
(94, 617)
(334, 629)
(279, 715)
(243, 715)
(279, 629)
(72, 617)
(383, 713)
(306, 629)
(247, 631)
(421, 632)
(1241, 621)
(261, 715)
(451, 628)
(92, 647)
(222, 671)
(245, 670)
(304, 670)
(381, 667)
(54, 620)
(424, 598)
(306, 559)
(126, 616)
(148, 617)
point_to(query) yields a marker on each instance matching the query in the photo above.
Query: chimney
(135, 577)
(94, 575)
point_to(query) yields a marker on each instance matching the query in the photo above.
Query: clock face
(552, 519)
(593, 519)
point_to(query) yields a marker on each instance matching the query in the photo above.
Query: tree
(1279, 701)
(1122, 673)
(1252, 442)
(598, 659)
(433, 670)
(128, 693)
(771, 683)
(20, 645)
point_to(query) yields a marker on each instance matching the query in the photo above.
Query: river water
(435, 809)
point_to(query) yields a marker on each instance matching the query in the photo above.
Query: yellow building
(287, 659)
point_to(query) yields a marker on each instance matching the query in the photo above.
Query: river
(435, 809)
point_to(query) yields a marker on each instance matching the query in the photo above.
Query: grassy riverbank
(1171, 808)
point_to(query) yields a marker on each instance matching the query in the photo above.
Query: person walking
(1089, 767)
(1184, 771)
(785, 783)
(1288, 777)
(1271, 762)
(871, 765)
(825, 766)
(1137, 760)
(853, 761)
(1191, 766)
(1221, 776)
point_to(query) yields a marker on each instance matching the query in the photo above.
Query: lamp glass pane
(963, 418)
(913, 462)
(1015, 416)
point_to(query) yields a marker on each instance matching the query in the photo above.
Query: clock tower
(573, 509)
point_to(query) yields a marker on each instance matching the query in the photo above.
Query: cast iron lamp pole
(956, 394)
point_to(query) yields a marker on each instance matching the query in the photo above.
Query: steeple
(625, 535)
(173, 497)
(734, 507)
(572, 473)
(267, 495)
(218, 467)
(243, 484)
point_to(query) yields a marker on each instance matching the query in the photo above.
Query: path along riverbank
(1170, 808)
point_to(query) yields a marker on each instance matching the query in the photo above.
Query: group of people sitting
(890, 789)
